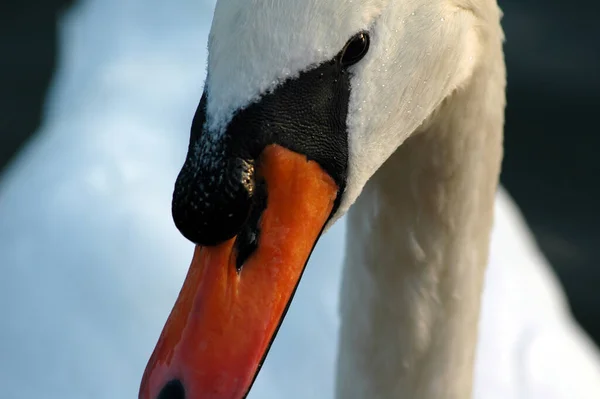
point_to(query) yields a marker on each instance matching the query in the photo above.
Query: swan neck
(417, 248)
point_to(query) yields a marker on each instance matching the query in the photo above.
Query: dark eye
(355, 49)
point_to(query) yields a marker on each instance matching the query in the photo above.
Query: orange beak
(224, 320)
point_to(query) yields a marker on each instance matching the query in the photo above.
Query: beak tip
(173, 389)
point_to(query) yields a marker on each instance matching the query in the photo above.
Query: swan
(92, 264)
(389, 110)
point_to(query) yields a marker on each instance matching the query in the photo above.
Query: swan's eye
(355, 49)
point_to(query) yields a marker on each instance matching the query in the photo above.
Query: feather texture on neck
(417, 243)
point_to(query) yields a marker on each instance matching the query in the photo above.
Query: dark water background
(552, 151)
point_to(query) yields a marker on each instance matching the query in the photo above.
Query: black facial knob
(212, 198)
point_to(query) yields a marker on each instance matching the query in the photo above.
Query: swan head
(303, 101)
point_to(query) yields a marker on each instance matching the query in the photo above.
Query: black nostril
(172, 390)
(212, 200)
(247, 239)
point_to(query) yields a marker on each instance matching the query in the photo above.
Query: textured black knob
(212, 199)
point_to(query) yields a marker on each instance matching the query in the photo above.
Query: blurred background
(551, 164)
